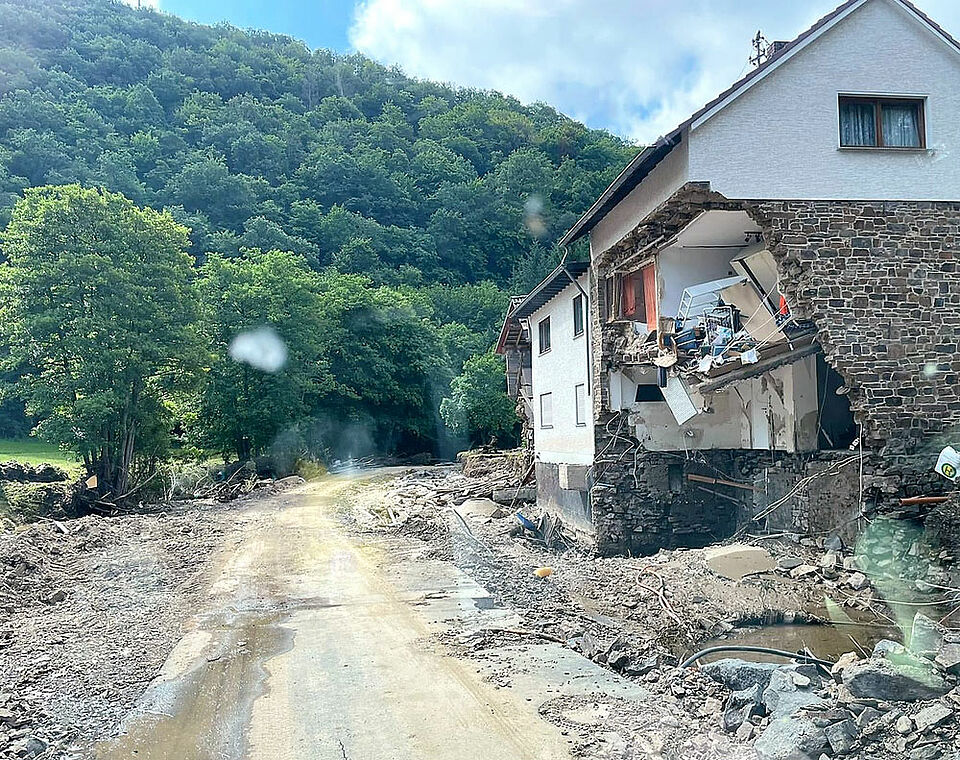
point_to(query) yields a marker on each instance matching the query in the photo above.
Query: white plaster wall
(669, 175)
(778, 409)
(780, 139)
(559, 371)
(681, 268)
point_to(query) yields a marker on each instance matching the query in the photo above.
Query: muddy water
(202, 710)
(827, 642)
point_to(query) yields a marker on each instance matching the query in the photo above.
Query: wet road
(316, 645)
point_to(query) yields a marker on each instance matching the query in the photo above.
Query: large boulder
(893, 680)
(738, 675)
(789, 690)
(791, 739)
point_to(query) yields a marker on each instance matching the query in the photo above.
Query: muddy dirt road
(317, 644)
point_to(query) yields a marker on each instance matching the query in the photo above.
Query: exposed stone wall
(882, 283)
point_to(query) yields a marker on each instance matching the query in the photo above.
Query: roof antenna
(761, 50)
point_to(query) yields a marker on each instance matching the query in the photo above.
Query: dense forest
(409, 209)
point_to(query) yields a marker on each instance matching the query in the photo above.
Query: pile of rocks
(899, 702)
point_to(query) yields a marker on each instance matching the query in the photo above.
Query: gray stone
(789, 739)
(857, 581)
(741, 706)
(28, 747)
(925, 637)
(886, 647)
(788, 563)
(903, 726)
(783, 697)
(738, 675)
(867, 717)
(833, 544)
(932, 716)
(948, 658)
(842, 736)
(883, 679)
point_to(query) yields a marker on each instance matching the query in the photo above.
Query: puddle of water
(484, 602)
(203, 712)
(827, 642)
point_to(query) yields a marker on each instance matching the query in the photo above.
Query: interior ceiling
(713, 229)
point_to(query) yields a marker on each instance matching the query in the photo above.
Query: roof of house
(554, 284)
(511, 331)
(651, 156)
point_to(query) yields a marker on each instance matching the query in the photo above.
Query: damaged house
(767, 331)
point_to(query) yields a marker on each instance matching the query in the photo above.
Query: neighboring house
(546, 342)
(772, 282)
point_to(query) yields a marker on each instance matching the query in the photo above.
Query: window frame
(541, 332)
(581, 421)
(578, 315)
(878, 102)
(549, 397)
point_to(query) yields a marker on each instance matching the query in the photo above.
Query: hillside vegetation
(436, 201)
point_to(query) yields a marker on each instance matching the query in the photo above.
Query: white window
(544, 330)
(546, 410)
(580, 393)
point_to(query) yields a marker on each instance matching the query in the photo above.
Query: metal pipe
(758, 650)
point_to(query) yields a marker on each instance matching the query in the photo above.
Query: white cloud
(637, 67)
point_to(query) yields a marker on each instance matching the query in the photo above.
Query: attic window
(867, 122)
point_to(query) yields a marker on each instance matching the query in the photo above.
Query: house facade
(774, 299)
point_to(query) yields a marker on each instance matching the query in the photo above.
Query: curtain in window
(901, 125)
(858, 124)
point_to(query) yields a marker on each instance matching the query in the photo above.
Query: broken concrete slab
(737, 561)
(883, 679)
(842, 736)
(508, 496)
(932, 716)
(948, 659)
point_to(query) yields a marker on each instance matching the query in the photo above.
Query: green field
(33, 451)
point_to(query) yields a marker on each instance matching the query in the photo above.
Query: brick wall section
(881, 281)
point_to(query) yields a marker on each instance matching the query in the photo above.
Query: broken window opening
(648, 393)
(633, 296)
(837, 428)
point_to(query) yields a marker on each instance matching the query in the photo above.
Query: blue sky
(319, 23)
(635, 67)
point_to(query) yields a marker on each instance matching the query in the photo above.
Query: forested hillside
(442, 199)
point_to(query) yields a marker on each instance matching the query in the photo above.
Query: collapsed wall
(880, 281)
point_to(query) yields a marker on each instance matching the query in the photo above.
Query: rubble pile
(898, 702)
(28, 491)
(640, 616)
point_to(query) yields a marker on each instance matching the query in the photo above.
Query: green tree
(478, 405)
(262, 296)
(99, 313)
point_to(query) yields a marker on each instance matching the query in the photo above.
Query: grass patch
(35, 451)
